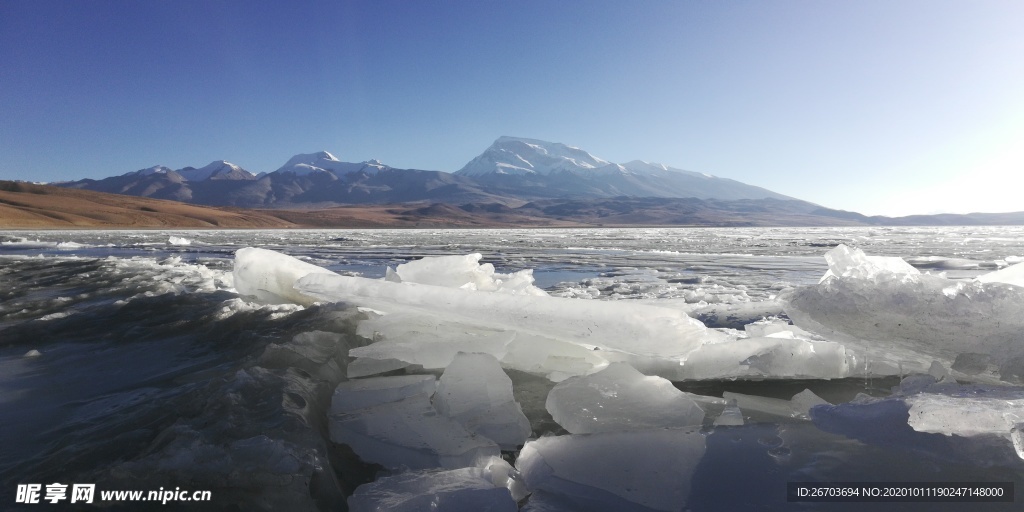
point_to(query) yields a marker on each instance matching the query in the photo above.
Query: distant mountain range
(514, 182)
(512, 171)
(26, 205)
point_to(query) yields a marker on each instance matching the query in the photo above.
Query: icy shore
(612, 364)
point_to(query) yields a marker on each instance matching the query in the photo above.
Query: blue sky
(880, 107)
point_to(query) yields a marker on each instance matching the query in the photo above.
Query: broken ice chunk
(1017, 438)
(767, 358)
(615, 471)
(803, 401)
(771, 406)
(969, 363)
(846, 262)
(731, 415)
(269, 276)
(466, 272)
(357, 394)
(764, 327)
(619, 398)
(556, 359)
(973, 423)
(965, 415)
(409, 433)
(908, 319)
(428, 341)
(937, 370)
(456, 490)
(634, 328)
(477, 393)
(1014, 274)
(502, 474)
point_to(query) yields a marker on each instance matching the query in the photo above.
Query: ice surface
(269, 276)
(619, 398)
(556, 359)
(803, 401)
(846, 262)
(360, 393)
(429, 341)
(966, 415)
(970, 363)
(465, 271)
(632, 328)
(765, 327)
(408, 433)
(731, 415)
(477, 393)
(456, 490)
(615, 471)
(772, 406)
(1013, 274)
(768, 357)
(892, 316)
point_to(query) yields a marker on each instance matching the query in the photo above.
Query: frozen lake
(152, 371)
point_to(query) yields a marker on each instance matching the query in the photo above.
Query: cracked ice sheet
(552, 336)
(396, 426)
(619, 398)
(477, 393)
(899, 320)
(630, 328)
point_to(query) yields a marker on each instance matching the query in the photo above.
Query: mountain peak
(215, 170)
(156, 169)
(520, 155)
(307, 163)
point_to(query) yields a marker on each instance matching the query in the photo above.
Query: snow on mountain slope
(532, 168)
(156, 169)
(218, 169)
(309, 163)
(517, 155)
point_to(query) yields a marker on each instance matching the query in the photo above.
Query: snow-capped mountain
(309, 163)
(520, 156)
(511, 171)
(156, 169)
(216, 170)
(531, 168)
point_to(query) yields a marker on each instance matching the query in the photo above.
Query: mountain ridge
(512, 171)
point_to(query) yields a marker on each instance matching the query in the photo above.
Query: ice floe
(619, 398)
(900, 320)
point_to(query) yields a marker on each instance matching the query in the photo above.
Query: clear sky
(881, 107)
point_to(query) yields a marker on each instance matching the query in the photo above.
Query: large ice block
(465, 271)
(634, 328)
(353, 395)
(773, 357)
(408, 433)
(477, 393)
(1013, 274)
(892, 316)
(619, 398)
(428, 341)
(270, 276)
(615, 471)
